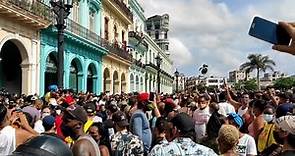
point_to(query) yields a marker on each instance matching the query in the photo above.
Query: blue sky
(215, 32)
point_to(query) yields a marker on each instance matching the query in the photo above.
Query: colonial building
(84, 50)
(20, 24)
(158, 45)
(138, 48)
(116, 18)
(238, 75)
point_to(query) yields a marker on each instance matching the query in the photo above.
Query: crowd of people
(225, 122)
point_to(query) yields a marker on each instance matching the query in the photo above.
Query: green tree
(259, 63)
(246, 85)
(284, 83)
(250, 85)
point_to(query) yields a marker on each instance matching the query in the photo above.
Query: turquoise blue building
(83, 50)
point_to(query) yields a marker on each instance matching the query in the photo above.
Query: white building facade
(138, 48)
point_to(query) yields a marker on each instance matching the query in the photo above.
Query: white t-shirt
(38, 126)
(201, 118)
(242, 111)
(7, 140)
(228, 108)
(97, 119)
(246, 145)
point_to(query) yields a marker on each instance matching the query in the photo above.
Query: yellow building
(20, 25)
(116, 18)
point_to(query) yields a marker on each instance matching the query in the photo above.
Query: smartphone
(152, 96)
(269, 31)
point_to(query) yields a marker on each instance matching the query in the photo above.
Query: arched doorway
(115, 82)
(106, 80)
(123, 83)
(131, 82)
(91, 78)
(75, 75)
(10, 68)
(50, 71)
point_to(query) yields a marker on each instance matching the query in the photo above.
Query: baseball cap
(236, 118)
(77, 112)
(48, 120)
(53, 88)
(183, 122)
(284, 109)
(143, 97)
(120, 119)
(286, 123)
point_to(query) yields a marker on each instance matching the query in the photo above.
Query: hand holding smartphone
(152, 96)
(269, 31)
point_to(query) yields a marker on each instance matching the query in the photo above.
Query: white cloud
(180, 53)
(206, 32)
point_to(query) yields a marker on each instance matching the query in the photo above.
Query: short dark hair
(222, 96)
(259, 104)
(161, 124)
(47, 126)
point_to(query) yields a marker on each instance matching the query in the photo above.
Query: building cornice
(138, 9)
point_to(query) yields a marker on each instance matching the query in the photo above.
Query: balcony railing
(152, 65)
(124, 8)
(138, 63)
(35, 7)
(117, 50)
(83, 32)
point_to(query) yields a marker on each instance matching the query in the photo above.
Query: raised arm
(230, 99)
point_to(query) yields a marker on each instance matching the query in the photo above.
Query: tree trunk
(258, 79)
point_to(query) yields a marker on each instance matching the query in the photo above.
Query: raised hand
(290, 28)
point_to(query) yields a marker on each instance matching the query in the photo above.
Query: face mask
(268, 117)
(58, 112)
(45, 114)
(277, 138)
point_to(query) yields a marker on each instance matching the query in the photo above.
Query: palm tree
(259, 63)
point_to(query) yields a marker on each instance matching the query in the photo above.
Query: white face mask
(58, 112)
(45, 114)
(268, 117)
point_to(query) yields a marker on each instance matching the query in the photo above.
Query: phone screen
(152, 96)
(269, 31)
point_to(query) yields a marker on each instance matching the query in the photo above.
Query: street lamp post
(176, 76)
(159, 61)
(61, 8)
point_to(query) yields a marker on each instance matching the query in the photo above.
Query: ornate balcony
(81, 31)
(30, 12)
(138, 63)
(152, 65)
(115, 49)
